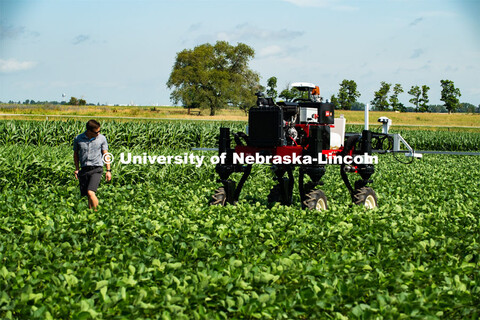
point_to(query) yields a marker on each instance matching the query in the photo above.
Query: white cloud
(13, 65)
(246, 32)
(280, 52)
(269, 51)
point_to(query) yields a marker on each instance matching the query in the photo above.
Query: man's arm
(77, 163)
(108, 175)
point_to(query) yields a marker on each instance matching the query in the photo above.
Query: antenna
(366, 116)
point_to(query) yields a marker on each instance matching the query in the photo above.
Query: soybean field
(155, 249)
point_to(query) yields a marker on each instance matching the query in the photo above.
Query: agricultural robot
(284, 134)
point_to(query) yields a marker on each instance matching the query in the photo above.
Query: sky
(122, 51)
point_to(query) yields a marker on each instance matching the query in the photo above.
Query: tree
(450, 95)
(423, 101)
(82, 102)
(272, 84)
(335, 102)
(437, 108)
(347, 94)
(214, 76)
(415, 92)
(290, 94)
(358, 106)
(73, 101)
(467, 107)
(380, 100)
(394, 102)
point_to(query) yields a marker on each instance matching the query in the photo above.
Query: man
(88, 150)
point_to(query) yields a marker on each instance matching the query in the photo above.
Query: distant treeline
(464, 107)
(34, 102)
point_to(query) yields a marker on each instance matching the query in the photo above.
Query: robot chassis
(303, 127)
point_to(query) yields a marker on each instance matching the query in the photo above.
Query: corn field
(189, 134)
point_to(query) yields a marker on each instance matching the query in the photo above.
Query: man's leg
(83, 183)
(92, 199)
(89, 201)
(94, 180)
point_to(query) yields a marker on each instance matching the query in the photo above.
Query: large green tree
(214, 76)
(380, 100)
(394, 102)
(347, 94)
(450, 95)
(419, 98)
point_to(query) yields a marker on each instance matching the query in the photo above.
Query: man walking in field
(88, 150)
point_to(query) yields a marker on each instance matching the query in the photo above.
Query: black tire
(315, 200)
(219, 198)
(274, 195)
(365, 197)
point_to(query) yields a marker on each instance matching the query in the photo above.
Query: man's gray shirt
(90, 149)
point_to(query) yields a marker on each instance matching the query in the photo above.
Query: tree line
(73, 102)
(386, 98)
(215, 76)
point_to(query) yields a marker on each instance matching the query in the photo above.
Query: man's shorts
(89, 178)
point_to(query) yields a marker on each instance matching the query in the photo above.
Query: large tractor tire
(315, 200)
(365, 196)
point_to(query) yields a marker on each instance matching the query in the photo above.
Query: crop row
(155, 249)
(188, 134)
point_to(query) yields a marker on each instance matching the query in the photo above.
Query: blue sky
(122, 51)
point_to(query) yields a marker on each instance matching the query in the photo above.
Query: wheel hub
(370, 202)
(320, 206)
